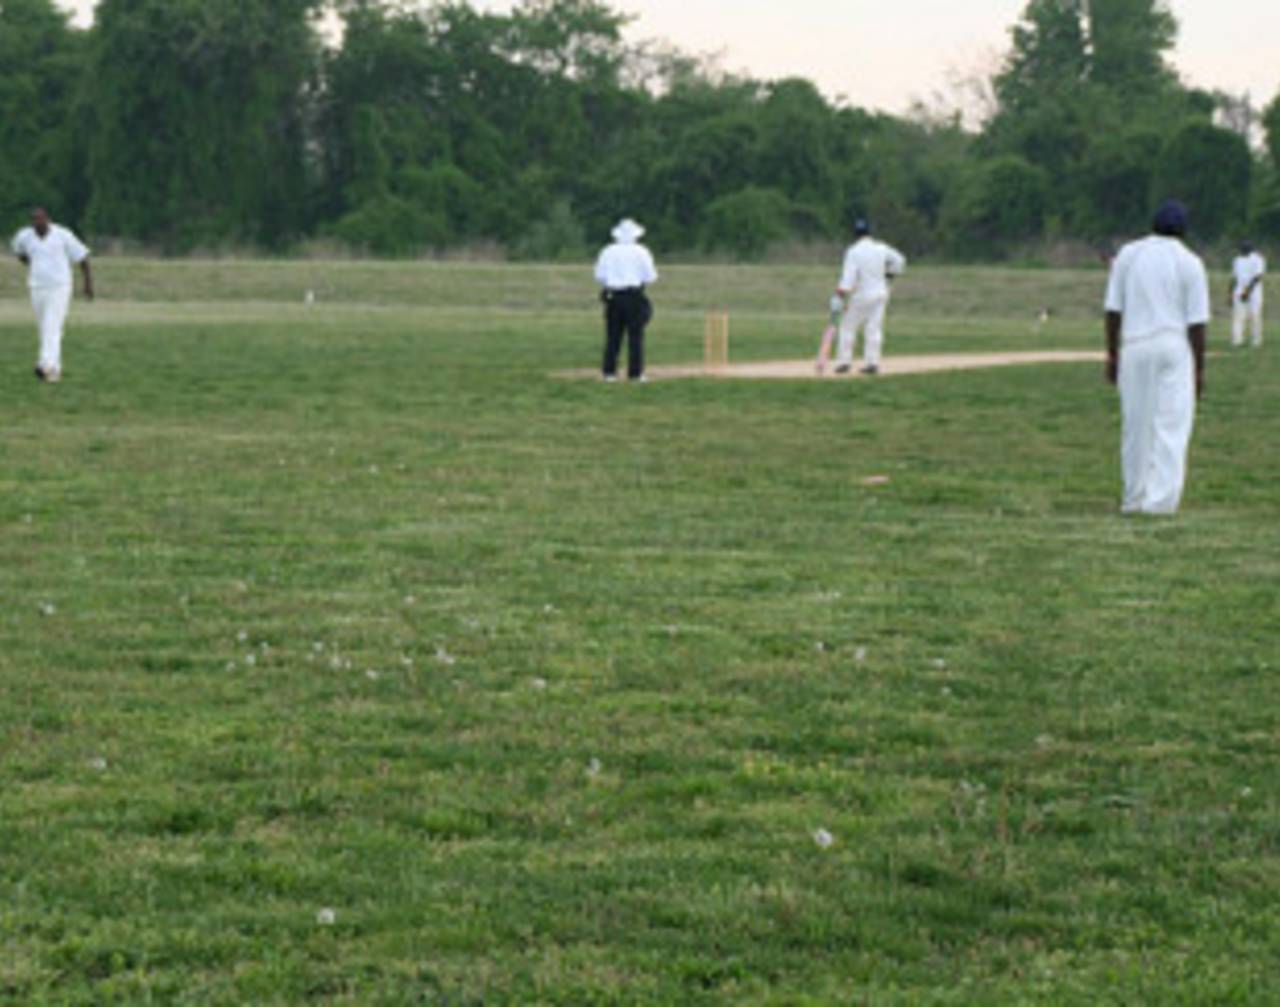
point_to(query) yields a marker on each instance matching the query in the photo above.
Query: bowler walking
(1157, 319)
(48, 251)
(624, 271)
(869, 268)
(1247, 272)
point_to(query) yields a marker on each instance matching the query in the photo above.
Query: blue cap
(862, 227)
(1171, 219)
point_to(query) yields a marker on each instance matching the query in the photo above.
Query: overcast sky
(885, 53)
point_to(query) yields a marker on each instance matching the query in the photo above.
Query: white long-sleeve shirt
(624, 265)
(50, 257)
(868, 264)
(1160, 287)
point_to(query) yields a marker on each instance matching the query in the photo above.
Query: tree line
(419, 127)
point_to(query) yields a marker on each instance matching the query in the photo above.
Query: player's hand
(1113, 371)
(88, 292)
(1199, 382)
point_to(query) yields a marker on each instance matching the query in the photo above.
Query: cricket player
(48, 251)
(624, 270)
(1157, 320)
(1247, 272)
(869, 268)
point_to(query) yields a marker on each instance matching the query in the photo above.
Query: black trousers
(625, 312)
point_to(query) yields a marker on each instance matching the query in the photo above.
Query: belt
(626, 290)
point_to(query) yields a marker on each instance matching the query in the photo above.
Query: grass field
(347, 657)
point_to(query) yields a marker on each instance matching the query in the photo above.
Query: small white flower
(98, 763)
(335, 663)
(372, 675)
(250, 660)
(445, 658)
(824, 839)
(27, 519)
(231, 666)
(317, 647)
(1044, 741)
(1246, 793)
(820, 647)
(373, 470)
(326, 917)
(860, 654)
(548, 609)
(407, 661)
(242, 636)
(410, 600)
(264, 647)
(939, 663)
(594, 767)
(946, 691)
(48, 609)
(540, 684)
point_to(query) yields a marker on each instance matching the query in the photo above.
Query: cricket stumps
(715, 340)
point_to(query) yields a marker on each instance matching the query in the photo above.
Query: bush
(558, 237)
(1209, 169)
(389, 225)
(747, 222)
(994, 206)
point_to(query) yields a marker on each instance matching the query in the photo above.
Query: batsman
(869, 268)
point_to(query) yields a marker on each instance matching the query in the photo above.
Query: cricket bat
(829, 336)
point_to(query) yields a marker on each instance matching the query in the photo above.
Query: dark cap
(1171, 219)
(861, 227)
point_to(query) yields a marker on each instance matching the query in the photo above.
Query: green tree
(1129, 44)
(1210, 170)
(1049, 54)
(200, 108)
(995, 206)
(41, 68)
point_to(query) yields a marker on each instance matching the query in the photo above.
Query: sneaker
(40, 374)
(642, 380)
(53, 375)
(871, 370)
(843, 368)
(610, 379)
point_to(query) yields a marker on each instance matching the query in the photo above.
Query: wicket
(715, 345)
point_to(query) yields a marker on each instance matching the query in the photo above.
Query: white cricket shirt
(1159, 286)
(51, 256)
(1244, 270)
(868, 264)
(624, 265)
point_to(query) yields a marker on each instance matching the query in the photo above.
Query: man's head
(1171, 219)
(861, 227)
(1246, 247)
(40, 220)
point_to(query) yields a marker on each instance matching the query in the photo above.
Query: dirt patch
(889, 368)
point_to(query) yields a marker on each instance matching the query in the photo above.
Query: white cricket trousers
(1247, 313)
(867, 315)
(1158, 408)
(51, 305)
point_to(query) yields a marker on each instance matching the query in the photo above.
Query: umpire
(623, 271)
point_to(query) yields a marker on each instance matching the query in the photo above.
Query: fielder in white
(1157, 322)
(1247, 272)
(869, 268)
(48, 251)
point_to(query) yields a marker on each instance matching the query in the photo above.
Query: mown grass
(544, 688)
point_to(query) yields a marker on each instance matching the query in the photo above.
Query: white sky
(885, 53)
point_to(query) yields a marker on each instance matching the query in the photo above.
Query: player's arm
(86, 271)
(1115, 323)
(1252, 286)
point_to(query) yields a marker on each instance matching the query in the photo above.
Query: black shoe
(843, 368)
(40, 373)
(871, 370)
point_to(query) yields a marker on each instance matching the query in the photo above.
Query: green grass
(333, 608)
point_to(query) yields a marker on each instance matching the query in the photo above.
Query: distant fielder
(1157, 321)
(869, 267)
(1247, 272)
(48, 251)
(624, 271)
